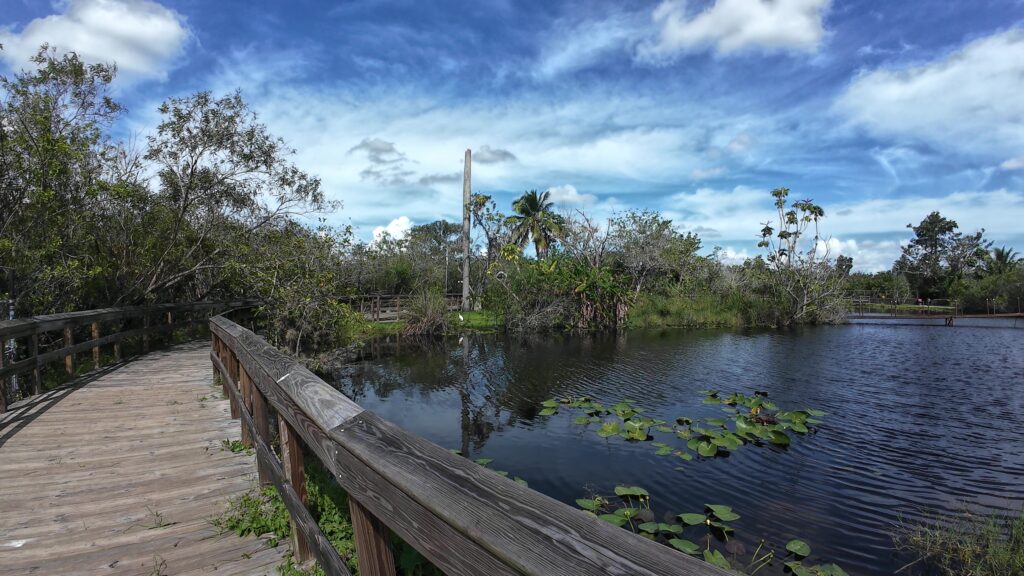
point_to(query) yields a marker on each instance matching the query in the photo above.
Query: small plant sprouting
(156, 519)
(235, 446)
(159, 566)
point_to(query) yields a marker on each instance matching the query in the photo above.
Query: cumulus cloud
(730, 26)
(433, 179)
(567, 195)
(387, 165)
(968, 101)
(488, 155)
(397, 229)
(705, 173)
(1013, 164)
(142, 37)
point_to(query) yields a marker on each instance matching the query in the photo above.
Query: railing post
(294, 474)
(145, 332)
(245, 388)
(373, 549)
(69, 359)
(232, 365)
(95, 348)
(261, 418)
(33, 351)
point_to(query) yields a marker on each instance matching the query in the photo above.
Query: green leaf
(723, 513)
(484, 461)
(613, 519)
(692, 519)
(630, 491)
(830, 570)
(684, 546)
(549, 404)
(684, 455)
(778, 438)
(815, 413)
(548, 411)
(520, 481)
(707, 449)
(651, 527)
(588, 504)
(608, 429)
(799, 547)
(715, 557)
(798, 569)
(581, 420)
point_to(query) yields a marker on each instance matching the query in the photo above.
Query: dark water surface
(920, 420)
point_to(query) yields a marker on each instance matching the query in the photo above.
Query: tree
(52, 149)
(939, 255)
(535, 220)
(641, 239)
(223, 177)
(1001, 260)
(806, 280)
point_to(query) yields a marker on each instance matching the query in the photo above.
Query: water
(922, 420)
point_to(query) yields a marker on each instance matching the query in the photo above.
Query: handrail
(378, 307)
(156, 319)
(464, 518)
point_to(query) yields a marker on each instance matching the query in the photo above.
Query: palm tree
(534, 220)
(1002, 260)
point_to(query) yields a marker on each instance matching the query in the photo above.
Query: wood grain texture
(373, 547)
(122, 473)
(295, 474)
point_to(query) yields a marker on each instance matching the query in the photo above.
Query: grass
(478, 320)
(697, 311)
(965, 545)
(262, 511)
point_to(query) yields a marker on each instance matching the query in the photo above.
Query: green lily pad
(608, 429)
(799, 547)
(778, 438)
(588, 504)
(707, 449)
(630, 491)
(484, 461)
(613, 519)
(723, 513)
(549, 404)
(650, 527)
(715, 557)
(692, 519)
(548, 411)
(684, 546)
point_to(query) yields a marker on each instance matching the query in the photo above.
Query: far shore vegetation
(211, 206)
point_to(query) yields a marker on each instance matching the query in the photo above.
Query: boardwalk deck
(121, 472)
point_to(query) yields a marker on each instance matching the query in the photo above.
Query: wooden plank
(295, 475)
(373, 550)
(95, 330)
(69, 359)
(530, 532)
(301, 519)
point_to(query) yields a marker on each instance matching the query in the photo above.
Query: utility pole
(466, 186)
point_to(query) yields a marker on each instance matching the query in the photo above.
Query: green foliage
(751, 420)
(939, 255)
(971, 544)
(426, 313)
(535, 220)
(704, 534)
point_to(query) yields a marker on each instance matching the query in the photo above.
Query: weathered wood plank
(373, 549)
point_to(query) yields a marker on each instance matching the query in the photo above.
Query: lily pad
(799, 547)
(692, 519)
(548, 411)
(715, 557)
(630, 491)
(588, 504)
(684, 546)
(613, 519)
(723, 513)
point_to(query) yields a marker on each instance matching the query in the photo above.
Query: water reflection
(921, 420)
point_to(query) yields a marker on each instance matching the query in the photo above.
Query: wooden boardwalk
(121, 473)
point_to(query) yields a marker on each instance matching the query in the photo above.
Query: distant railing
(140, 322)
(464, 518)
(385, 307)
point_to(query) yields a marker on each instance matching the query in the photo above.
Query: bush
(426, 313)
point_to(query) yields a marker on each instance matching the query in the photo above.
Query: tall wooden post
(33, 351)
(95, 348)
(261, 418)
(373, 549)
(145, 332)
(467, 170)
(291, 457)
(69, 359)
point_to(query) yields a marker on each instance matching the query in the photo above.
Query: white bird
(461, 319)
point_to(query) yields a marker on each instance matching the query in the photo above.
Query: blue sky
(881, 111)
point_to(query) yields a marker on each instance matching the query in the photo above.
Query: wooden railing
(384, 307)
(462, 517)
(140, 322)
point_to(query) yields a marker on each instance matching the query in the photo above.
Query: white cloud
(968, 101)
(1013, 164)
(730, 26)
(396, 229)
(141, 36)
(576, 46)
(868, 230)
(705, 173)
(567, 196)
(488, 155)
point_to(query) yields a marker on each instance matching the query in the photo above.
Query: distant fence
(83, 332)
(464, 518)
(388, 307)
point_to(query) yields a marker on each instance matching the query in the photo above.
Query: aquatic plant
(630, 508)
(968, 543)
(750, 420)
